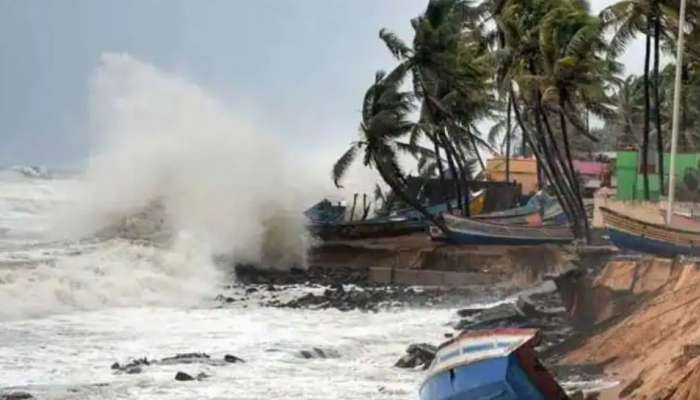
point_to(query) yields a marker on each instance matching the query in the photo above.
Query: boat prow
(491, 364)
(630, 233)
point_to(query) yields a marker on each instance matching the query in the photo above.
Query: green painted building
(630, 180)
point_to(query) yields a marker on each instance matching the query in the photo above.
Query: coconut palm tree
(522, 68)
(450, 70)
(573, 78)
(385, 112)
(656, 20)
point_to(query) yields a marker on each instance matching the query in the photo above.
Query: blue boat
(474, 232)
(629, 233)
(498, 364)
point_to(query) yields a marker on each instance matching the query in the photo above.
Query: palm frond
(341, 166)
(396, 46)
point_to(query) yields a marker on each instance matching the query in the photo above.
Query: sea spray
(167, 158)
(160, 137)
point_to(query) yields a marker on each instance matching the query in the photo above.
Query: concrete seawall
(416, 260)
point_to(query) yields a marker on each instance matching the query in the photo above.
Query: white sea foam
(114, 273)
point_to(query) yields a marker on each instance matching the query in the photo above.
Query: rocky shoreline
(348, 289)
(544, 307)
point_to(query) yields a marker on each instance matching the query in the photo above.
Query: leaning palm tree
(574, 77)
(450, 70)
(385, 112)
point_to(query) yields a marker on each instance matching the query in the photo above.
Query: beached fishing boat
(476, 206)
(373, 228)
(629, 233)
(469, 231)
(492, 364)
(396, 225)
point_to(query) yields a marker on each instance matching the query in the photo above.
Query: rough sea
(71, 308)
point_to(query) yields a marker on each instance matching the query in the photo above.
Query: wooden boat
(476, 206)
(373, 228)
(469, 231)
(491, 364)
(633, 234)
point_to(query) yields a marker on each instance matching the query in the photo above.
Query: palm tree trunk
(647, 113)
(476, 150)
(461, 163)
(352, 210)
(557, 166)
(538, 153)
(569, 159)
(365, 207)
(389, 179)
(453, 171)
(441, 171)
(657, 99)
(508, 127)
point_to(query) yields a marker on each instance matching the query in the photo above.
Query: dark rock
(201, 376)
(319, 353)
(185, 358)
(251, 290)
(306, 354)
(417, 355)
(181, 376)
(133, 367)
(16, 396)
(229, 358)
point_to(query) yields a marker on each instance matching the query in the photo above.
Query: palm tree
(385, 111)
(450, 71)
(574, 77)
(521, 67)
(656, 20)
(628, 18)
(628, 118)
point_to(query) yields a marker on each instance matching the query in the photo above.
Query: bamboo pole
(676, 115)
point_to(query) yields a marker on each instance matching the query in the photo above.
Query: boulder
(186, 358)
(229, 358)
(417, 355)
(318, 353)
(16, 396)
(182, 377)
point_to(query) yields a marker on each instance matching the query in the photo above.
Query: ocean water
(71, 308)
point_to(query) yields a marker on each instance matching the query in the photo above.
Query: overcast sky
(294, 67)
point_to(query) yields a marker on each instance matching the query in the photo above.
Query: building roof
(589, 167)
(517, 165)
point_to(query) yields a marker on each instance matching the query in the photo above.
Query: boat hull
(367, 230)
(493, 379)
(624, 240)
(633, 234)
(471, 232)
